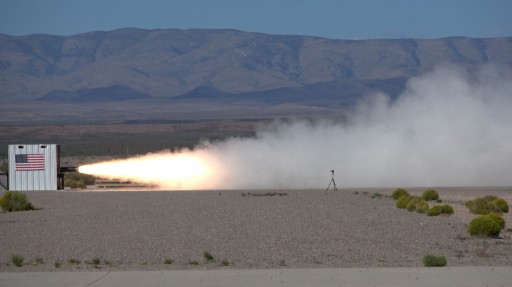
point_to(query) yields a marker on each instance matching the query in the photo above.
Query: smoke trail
(449, 127)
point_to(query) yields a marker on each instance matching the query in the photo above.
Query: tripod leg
(335, 188)
(329, 185)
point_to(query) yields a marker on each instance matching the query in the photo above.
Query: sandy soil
(138, 230)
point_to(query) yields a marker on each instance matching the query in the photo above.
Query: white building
(34, 167)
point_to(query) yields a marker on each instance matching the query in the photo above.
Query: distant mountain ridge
(170, 63)
(136, 75)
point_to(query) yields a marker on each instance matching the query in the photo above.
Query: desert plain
(77, 230)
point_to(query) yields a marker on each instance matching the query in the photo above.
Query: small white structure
(34, 167)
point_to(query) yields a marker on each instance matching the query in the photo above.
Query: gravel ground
(138, 230)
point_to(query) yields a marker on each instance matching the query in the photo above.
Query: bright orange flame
(184, 170)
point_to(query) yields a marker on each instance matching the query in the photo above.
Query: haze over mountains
(174, 73)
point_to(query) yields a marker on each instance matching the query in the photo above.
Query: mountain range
(175, 71)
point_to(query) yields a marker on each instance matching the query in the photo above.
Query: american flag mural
(29, 162)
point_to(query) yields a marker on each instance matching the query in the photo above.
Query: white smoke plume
(450, 127)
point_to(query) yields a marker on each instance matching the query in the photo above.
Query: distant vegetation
(419, 204)
(78, 180)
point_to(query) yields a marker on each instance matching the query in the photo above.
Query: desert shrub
(497, 218)
(487, 204)
(484, 226)
(168, 261)
(402, 201)
(85, 178)
(421, 206)
(499, 204)
(17, 260)
(440, 209)
(96, 261)
(478, 206)
(15, 201)
(415, 203)
(399, 192)
(430, 260)
(74, 183)
(208, 256)
(446, 209)
(430, 194)
(434, 211)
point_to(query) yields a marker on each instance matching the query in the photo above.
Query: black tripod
(332, 181)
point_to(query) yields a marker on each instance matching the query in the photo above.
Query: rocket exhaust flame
(449, 127)
(184, 170)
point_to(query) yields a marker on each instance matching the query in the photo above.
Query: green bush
(208, 256)
(399, 192)
(497, 218)
(402, 201)
(15, 201)
(484, 226)
(415, 203)
(430, 260)
(17, 260)
(434, 211)
(440, 209)
(478, 206)
(487, 204)
(446, 209)
(76, 176)
(74, 184)
(430, 194)
(499, 204)
(411, 203)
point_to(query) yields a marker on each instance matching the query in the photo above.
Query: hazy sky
(348, 19)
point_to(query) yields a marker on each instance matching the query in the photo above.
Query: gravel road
(138, 230)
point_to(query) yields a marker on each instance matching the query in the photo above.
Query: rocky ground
(160, 230)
